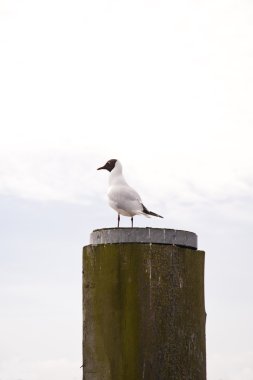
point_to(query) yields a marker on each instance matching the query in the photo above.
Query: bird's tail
(147, 212)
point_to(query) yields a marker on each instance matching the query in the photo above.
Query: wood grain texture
(143, 312)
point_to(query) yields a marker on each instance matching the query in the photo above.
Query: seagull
(123, 198)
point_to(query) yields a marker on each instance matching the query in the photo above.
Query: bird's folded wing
(125, 193)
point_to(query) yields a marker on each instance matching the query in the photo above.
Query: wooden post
(143, 306)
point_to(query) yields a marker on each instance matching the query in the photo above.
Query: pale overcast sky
(167, 88)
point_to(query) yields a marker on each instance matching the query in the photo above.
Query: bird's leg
(118, 219)
(132, 221)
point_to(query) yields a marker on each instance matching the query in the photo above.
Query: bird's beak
(102, 167)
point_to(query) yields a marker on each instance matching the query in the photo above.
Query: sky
(167, 88)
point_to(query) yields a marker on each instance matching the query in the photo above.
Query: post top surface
(144, 235)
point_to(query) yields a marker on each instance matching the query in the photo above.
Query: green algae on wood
(144, 314)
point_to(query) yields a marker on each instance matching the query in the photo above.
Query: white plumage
(122, 197)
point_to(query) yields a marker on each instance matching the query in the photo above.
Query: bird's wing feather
(123, 192)
(125, 199)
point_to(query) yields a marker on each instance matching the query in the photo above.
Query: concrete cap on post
(144, 235)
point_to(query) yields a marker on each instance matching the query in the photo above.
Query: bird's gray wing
(125, 193)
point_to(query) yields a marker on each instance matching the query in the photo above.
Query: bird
(122, 197)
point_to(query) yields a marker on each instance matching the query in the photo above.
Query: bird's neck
(116, 177)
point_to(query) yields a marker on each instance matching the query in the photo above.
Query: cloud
(71, 177)
(48, 176)
(25, 369)
(231, 366)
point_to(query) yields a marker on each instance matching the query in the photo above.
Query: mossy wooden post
(143, 305)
